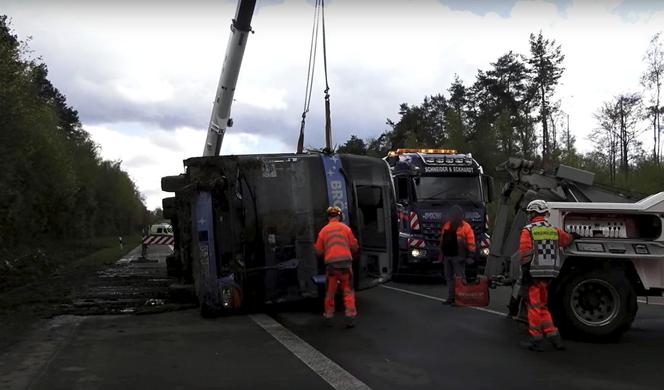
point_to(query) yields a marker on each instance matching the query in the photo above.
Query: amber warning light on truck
(415, 150)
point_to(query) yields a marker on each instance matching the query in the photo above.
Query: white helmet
(538, 206)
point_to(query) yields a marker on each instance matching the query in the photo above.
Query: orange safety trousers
(540, 322)
(344, 276)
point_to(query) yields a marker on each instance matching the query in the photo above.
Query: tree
(508, 83)
(354, 145)
(420, 124)
(458, 96)
(628, 108)
(379, 146)
(568, 153)
(652, 81)
(53, 184)
(606, 136)
(617, 133)
(546, 68)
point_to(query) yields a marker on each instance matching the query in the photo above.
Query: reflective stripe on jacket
(465, 236)
(538, 247)
(336, 242)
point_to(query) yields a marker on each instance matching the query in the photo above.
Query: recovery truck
(244, 226)
(428, 183)
(617, 256)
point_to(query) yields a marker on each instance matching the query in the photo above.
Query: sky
(142, 73)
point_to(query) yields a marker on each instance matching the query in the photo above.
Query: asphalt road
(405, 338)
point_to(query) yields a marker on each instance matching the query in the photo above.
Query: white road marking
(658, 301)
(442, 300)
(328, 370)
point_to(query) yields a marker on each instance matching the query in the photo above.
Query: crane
(221, 110)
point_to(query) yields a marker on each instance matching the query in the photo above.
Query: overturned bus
(245, 226)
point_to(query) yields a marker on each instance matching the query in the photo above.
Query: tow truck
(618, 255)
(428, 183)
(244, 226)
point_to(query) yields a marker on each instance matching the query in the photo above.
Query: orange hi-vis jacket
(465, 235)
(336, 242)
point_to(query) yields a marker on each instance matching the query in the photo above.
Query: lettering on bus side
(337, 192)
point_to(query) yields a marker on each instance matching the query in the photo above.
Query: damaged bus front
(245, 225)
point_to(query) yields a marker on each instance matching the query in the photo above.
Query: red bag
(471, 294)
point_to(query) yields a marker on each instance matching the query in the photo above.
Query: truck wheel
(598, 305)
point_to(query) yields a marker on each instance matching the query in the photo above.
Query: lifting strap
(311, 68)
(319, 21)
(328, 120)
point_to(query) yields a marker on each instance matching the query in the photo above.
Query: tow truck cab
(428, 182)
(245, 225)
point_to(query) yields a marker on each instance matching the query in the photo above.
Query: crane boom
(221, 110)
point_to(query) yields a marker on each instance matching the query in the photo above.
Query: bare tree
(606, 136)
(652, 81)
(628, 107)
(617, 135)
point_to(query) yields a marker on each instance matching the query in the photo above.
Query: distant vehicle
(161, 229)
(428, 183)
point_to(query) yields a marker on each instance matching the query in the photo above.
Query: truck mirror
(487, 184)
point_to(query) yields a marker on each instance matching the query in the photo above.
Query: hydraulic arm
(221, 111)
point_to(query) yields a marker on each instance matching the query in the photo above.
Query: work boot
(350, 322)
(557, 342)
(449, 302)
(327, 322)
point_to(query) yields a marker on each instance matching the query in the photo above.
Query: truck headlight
(418, 253)
(485, 252)
(226, 296)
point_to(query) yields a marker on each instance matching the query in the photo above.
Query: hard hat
(333, 211)
(538, 206)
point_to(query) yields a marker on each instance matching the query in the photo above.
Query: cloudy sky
(143, 73)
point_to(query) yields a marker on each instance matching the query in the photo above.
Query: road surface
(405, 338)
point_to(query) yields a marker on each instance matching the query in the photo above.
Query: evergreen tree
(546, 68)
(354, 145)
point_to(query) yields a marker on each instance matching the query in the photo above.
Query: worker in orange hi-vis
(337, 244)
(457, 248)
(539, 251)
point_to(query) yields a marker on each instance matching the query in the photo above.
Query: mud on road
(131, 285)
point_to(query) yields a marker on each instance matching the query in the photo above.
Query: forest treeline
(53, 183)
(512, 109)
